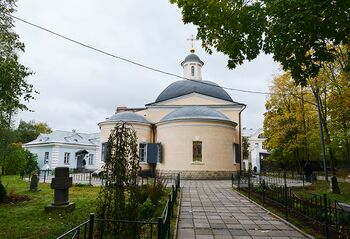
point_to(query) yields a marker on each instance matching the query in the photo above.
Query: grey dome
(195, 112)
(185, 87)
(127, 116)
(192, 58)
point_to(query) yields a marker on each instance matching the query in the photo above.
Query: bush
(142, 193)
(158, 189)
(19, 160)
(147, 209)
(31, 163)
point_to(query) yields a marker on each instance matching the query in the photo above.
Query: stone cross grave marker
(61, 183)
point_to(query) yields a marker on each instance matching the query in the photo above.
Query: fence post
(45, 176)
(239, 181)
(90, 177)
(263, 192)
(248, 184)
(232, 180)
(173, 199)
(160, 225)
(170, 215)
(260, 177)
(303, 179)
(325, 207)
(91, 225)
(285, 195)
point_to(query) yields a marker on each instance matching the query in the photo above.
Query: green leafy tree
(14, 88)
(15, 160)
(290, 122)
(28, 131)
(301, 34)
(31, 163)
(245, 147)
(121, 169)
(19, 160)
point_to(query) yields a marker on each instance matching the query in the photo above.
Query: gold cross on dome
(192, 39)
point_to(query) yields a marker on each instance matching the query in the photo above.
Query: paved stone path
(211, 209)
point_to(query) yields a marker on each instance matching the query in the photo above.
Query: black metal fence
(100, 228)
(92, 178)
(320, 212)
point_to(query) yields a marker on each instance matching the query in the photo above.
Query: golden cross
(192, 39)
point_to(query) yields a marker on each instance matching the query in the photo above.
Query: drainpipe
(154, 130)
(240, 138)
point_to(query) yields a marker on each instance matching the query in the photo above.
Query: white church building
(257, 150)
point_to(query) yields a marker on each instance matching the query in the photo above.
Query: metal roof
(67, 137)
(192, 58)
(184, 87)
(195, 112)
(127, 116)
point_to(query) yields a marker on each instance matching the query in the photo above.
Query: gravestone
(334, 185)
(34, 183)
(61, 183)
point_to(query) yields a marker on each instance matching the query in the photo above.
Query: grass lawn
(321, 187)
(28, 219)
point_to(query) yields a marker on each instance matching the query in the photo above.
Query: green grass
(28, 219)
(321, 187)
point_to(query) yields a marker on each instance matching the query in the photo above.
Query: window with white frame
(143, 152)
(46, 158)
(66, 158)
(197, 151)
(91, 159)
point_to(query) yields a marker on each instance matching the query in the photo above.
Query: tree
(245, 147)
(120, 171)
(19, 160)
(290, 123)
(27, 132)
(14, 88)
(301, 34)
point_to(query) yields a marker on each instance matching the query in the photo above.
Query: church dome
(195, 112)
(185, 87)
(127, 116)
(192, 58)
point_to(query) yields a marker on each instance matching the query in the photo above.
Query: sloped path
(211, 209)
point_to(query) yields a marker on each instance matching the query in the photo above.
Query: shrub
(158, 189)
(142, 193)
(147, 209)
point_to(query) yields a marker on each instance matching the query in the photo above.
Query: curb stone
(178, 215)
(280, 218)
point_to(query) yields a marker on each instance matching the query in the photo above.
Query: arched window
(192, 70)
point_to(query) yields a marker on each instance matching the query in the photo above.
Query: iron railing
(323, 213)
(106, 228)
(91, 178)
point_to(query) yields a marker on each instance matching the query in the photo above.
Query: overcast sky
(80, 88)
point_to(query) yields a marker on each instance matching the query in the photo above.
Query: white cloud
(79, 87)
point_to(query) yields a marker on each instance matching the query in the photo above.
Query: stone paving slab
(212, 210)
